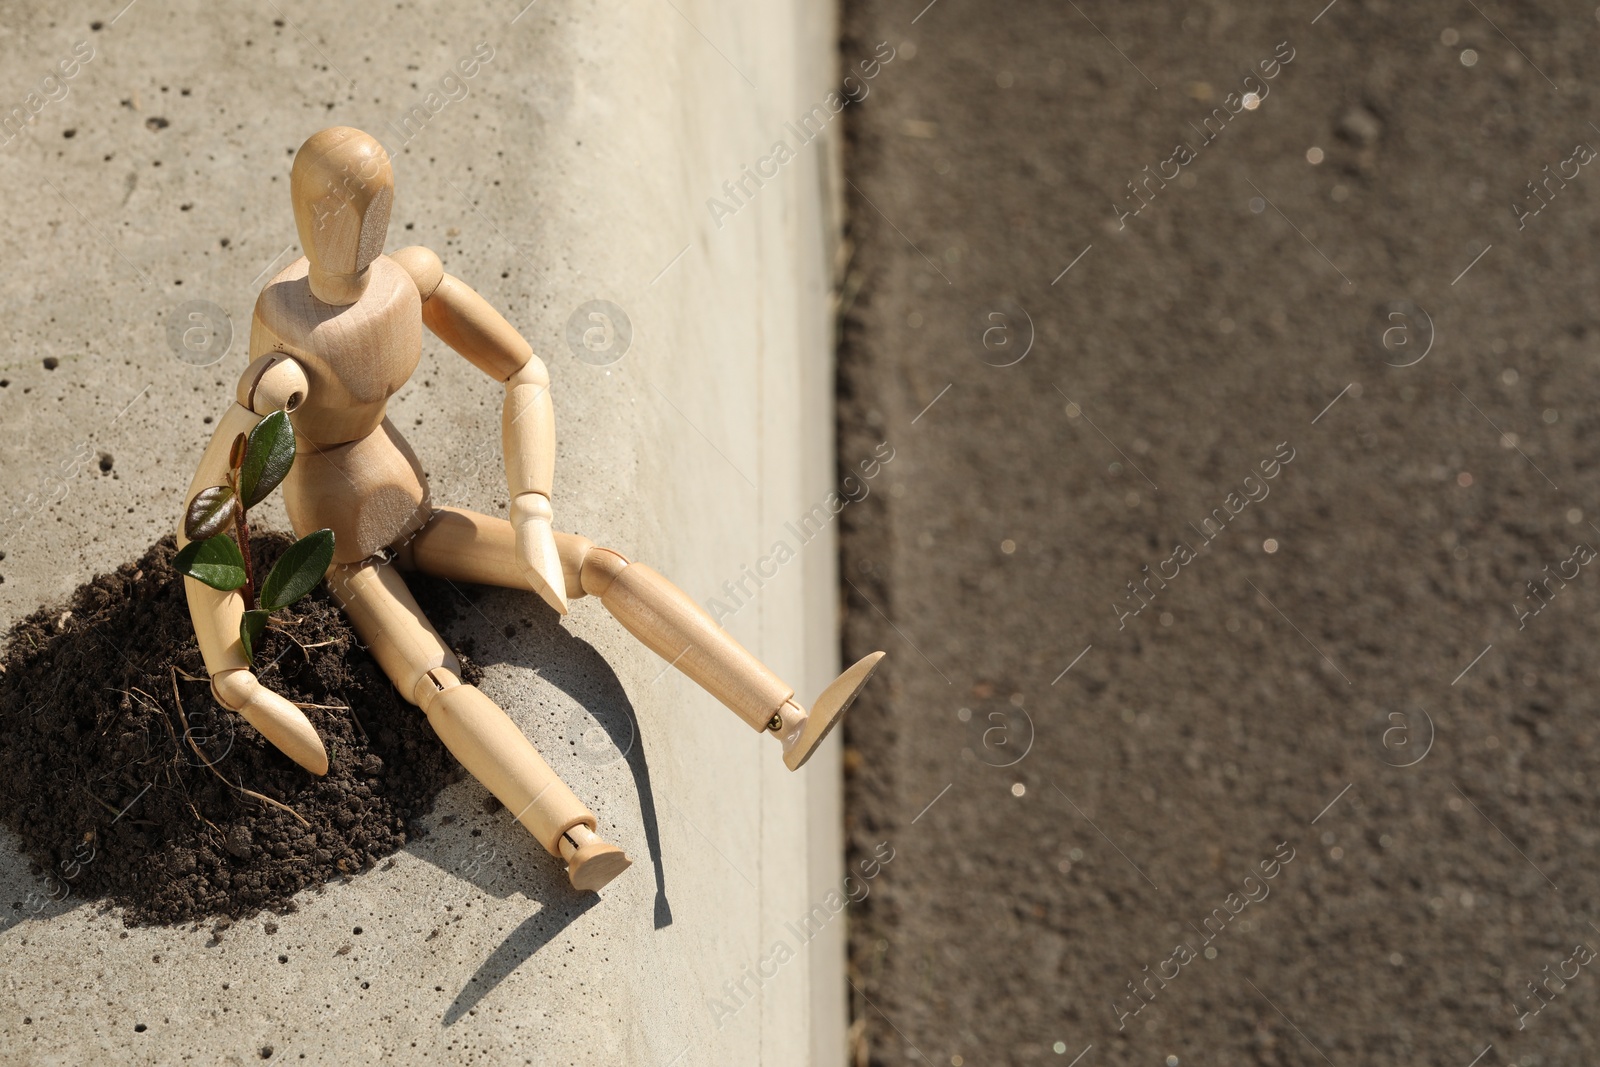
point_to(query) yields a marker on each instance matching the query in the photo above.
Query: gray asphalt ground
(1320, 788)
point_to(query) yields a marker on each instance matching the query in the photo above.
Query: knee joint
(411, 653)
(600, 568)
(431, 684)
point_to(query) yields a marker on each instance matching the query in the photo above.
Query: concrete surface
(573, 165)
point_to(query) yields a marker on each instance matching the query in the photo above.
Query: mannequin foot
(801, 732)
(591, 861)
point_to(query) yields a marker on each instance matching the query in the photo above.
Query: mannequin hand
(536, 549)
(279, 721)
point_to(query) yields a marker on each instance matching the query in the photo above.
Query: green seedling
(257, 464)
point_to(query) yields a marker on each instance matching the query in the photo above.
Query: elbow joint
(533, 372)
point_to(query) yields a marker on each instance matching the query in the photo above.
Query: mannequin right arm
(268, 384)
(216, 614)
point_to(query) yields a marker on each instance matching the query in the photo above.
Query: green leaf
(268, 455)
(215, 561)
(250, 627)
(210, 513)
(298, 570)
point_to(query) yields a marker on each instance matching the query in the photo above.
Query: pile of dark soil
(99, 778)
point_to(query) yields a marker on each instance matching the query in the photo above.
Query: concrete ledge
(573, 165)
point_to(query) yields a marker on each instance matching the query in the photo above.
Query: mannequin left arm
(466, 322)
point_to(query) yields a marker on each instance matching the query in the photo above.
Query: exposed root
(178, 700)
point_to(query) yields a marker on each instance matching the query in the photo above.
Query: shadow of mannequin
(531, 935)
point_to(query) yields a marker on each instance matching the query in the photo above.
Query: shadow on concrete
(531, 935)
(25, 895)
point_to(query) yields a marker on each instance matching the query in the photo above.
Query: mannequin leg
(471, 547)
(475, 730)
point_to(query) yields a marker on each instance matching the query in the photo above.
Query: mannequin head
(342, 188)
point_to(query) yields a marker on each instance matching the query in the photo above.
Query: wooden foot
(591, 861)
(801, 736)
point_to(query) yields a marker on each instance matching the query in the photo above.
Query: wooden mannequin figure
(336, 334)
